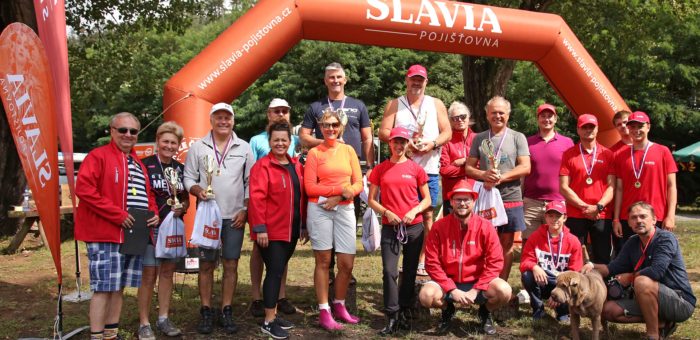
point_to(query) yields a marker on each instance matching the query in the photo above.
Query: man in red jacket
(111, 180)
(463, 258)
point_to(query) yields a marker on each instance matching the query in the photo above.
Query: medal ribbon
(342, 103)
(410, 109)
(638, 174)
(497, 153)
(589, 172)
(220, 160)
(561, 245)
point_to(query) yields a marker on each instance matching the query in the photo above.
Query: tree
(12, 180)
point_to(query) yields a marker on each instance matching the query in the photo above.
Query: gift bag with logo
(171, 238)
(371, 228)
(207, 225)
(489, 205)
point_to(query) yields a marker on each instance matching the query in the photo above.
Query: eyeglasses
(330, 125)
(459, 118)
(463, 200)
(123, 130)
(280, 111)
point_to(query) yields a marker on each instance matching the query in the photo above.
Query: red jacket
(272, 199)
(456, 148)
(451, 259)
(102, 189)
(537, 252)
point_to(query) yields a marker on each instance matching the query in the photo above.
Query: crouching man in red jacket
(463, 258)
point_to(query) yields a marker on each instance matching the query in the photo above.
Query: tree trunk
(12, 180)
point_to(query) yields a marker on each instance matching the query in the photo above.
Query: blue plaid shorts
(110, 270)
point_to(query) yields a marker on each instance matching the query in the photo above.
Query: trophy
(488, 149)
(173, 179)
(209, 165)
(418, 134)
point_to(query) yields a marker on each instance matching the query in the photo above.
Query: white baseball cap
(278, 102)
(221, 107)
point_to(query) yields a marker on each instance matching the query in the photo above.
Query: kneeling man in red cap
(463, 258)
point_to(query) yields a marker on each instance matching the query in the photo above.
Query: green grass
(28, 292)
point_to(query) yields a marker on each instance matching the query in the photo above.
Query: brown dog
(585, 294)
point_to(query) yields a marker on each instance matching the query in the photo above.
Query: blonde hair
(170, 127)
(328, 113)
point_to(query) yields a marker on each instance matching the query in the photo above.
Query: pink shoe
(325, 319)
(342, 314)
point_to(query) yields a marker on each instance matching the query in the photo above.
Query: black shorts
(465, 287)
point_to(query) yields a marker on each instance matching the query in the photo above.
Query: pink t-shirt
(545, 158)
(399, 184)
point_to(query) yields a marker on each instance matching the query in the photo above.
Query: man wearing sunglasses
(454, 153)
(111, 180)
(278, 110)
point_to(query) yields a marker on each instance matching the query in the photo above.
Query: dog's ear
(574, 281)
(577, 295)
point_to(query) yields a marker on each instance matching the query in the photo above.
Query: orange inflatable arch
(247, 49)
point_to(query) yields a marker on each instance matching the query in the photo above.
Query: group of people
(559, 194)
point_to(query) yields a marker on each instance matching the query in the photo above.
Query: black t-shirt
(296, 185)
(159, 184)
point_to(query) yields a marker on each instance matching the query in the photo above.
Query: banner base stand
(66, 336)
(78, 296)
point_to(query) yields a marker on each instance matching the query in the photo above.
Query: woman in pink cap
(401, 180)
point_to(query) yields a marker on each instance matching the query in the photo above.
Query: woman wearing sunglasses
(400, 180)
(454, 153)
(168, 138)
(332, 178)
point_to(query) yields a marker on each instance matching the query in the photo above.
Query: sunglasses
(459, 118)
(123, 131)
(330, 125)
(282, 111)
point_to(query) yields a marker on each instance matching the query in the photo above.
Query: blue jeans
(540, 293)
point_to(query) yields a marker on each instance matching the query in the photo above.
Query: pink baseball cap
(400, 132)
(463, 187)
(587, 119)
(557, 206)
(638, 116)
(417, 70)
(546, 106)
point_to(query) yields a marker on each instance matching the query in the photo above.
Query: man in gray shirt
(513, 157)
(234, 159)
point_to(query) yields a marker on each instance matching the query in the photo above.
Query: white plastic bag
(371, 227)
(171, 238)
(207, 225)
(489, 205)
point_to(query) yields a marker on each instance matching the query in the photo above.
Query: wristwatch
(435, 145)
(600, 207)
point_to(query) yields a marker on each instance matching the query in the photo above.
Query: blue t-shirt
(261, 145)
(358, 118)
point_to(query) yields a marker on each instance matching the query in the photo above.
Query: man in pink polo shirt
(587, 181)
(645, 171)
(542, 185)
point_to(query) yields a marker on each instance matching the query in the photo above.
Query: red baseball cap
(400, 132)
(546, 106)
(557, 206)
(463, 187)
(587, 119)
(638, 116)
(417, 70)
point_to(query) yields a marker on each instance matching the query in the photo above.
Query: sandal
(421, 270)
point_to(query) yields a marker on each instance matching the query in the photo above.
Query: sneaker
(486, 321)
(340, 312)
(285, 306)
(146, 333)
(325, 319)
(446, 320)
(274, 330)
(166, 327)
(284, 324)
(206, 322)
(226, 320)
(405, 319)
(257, 308)
(667, 330)
(539, 313)
(564, 318)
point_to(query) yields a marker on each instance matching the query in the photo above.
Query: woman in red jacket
(276, 215)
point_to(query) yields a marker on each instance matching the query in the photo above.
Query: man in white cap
(230, 184)
(426, 117)
(278, 110)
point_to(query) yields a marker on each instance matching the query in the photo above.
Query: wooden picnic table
(27, 220)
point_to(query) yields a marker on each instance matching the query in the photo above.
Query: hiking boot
(448, 314)
(392, 325)
(340, 312)
(274, 330)
(206, 321)
(257, 308)
(226, 320)
(146, 333)
(166, 327)
(486, 321)
(325, 319)
(285, 306)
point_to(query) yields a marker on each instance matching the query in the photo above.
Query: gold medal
(637, 184)
(589, 180)
(218, 172)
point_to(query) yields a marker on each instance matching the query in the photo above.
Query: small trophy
(488, 149)
(418, 134)
(209, 165)
(172, 177)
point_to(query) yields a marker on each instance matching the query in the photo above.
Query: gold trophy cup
(172, 177)
(488, 148)
(209, 168)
